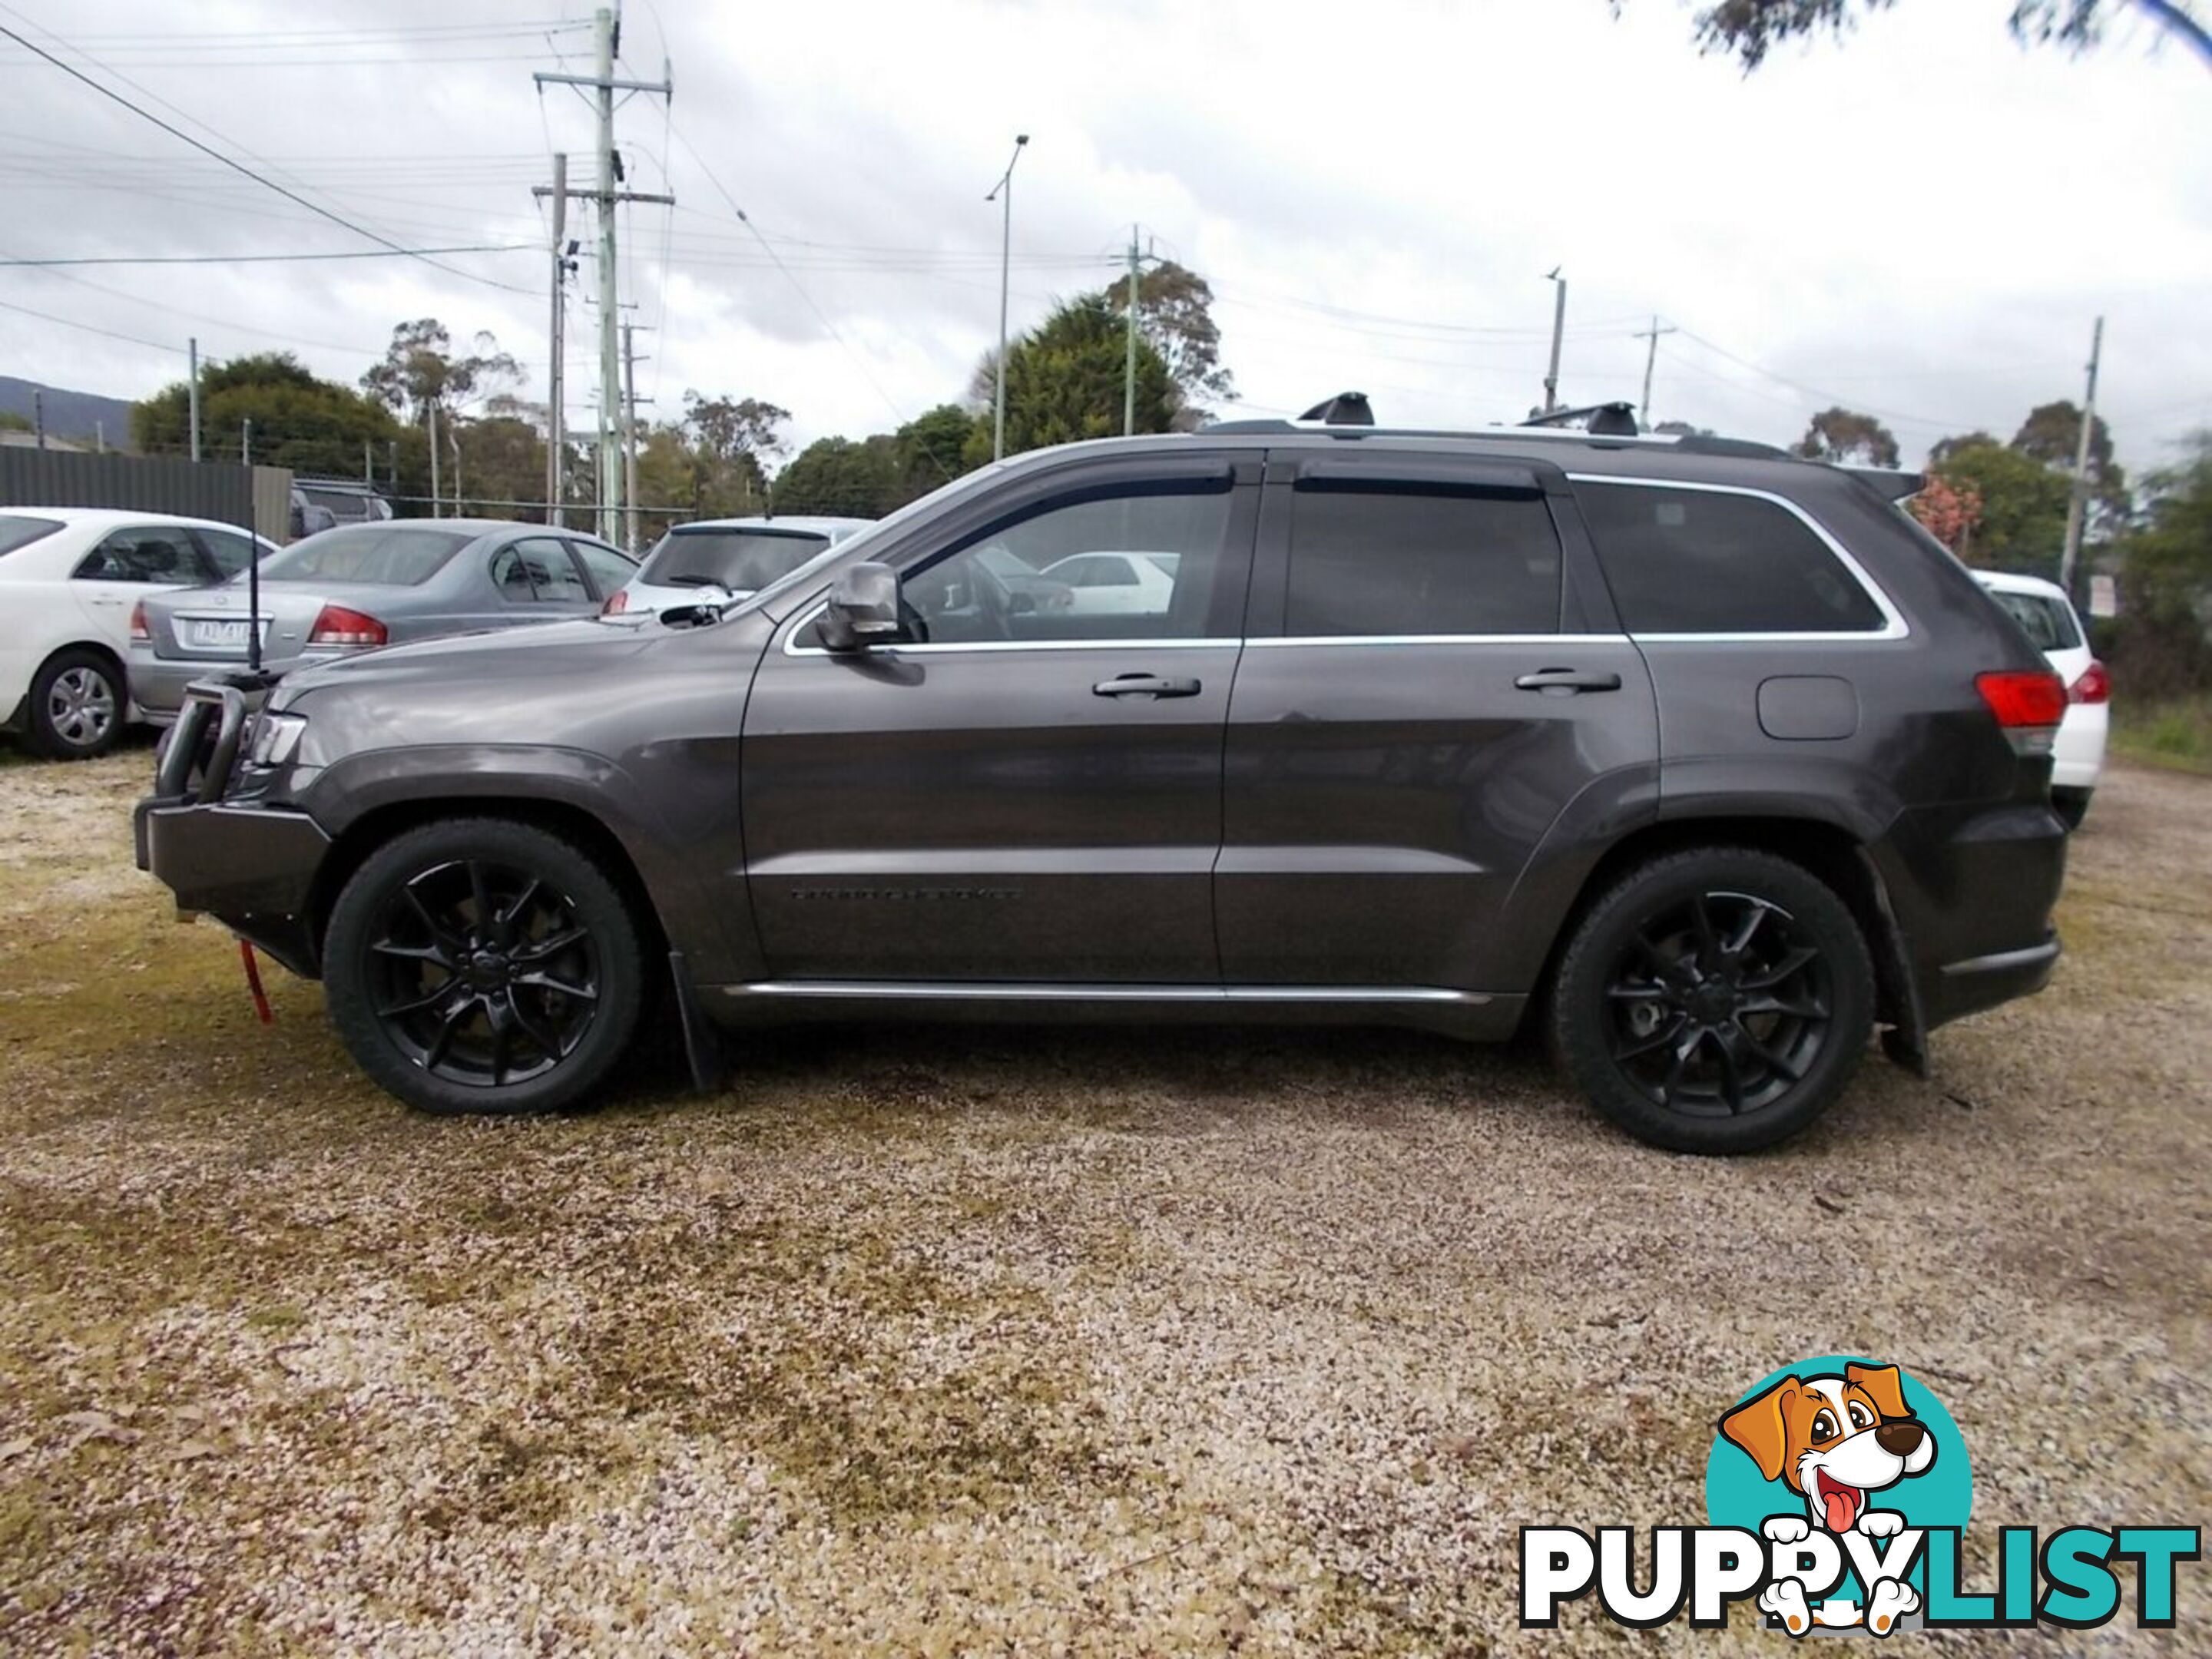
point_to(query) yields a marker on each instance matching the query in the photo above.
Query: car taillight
(139, 631)
(2095, 685)
(2028, 707)
(336, 625)
(617, 602)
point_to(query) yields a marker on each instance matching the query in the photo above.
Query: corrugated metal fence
(260, 497)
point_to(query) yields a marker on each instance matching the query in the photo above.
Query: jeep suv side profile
(1701, 755)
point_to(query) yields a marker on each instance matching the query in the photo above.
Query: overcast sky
(1922, 222)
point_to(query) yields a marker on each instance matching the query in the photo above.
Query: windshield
(342, 503)
(16, 533)
(2048, 621)
(395, 555)
(741, 561)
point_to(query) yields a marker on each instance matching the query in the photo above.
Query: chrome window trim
(1440, 639)
(792, 648)
(1893, 627)
(992, 991)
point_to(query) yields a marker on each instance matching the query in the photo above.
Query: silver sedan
(362, 586)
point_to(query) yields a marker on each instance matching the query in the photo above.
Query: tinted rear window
(16, 533)
(397, 555)
(742, 561)
(344, 504)
(1378, 562)
(2049, 622)
(1694, 562)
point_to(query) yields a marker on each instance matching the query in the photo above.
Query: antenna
(253, 597)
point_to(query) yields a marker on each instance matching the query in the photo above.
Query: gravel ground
(1018, 1341)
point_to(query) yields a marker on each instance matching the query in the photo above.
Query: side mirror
(863, 607)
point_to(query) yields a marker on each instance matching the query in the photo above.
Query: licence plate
(213, 633)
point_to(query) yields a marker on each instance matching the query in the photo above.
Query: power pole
(2077, 505)
(1558, 329)
(555, 412)
(629, 438)
(607, 28)
(430, 411)
(192, 401)
(39, 414)
(246, 442)
(1003, 188)
(1129, 372)
(1651, 361)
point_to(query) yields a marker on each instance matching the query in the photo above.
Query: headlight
(275, 737)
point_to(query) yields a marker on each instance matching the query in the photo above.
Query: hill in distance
(77, 416)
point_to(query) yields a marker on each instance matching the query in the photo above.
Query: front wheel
(1714, 1001)
(481, 966)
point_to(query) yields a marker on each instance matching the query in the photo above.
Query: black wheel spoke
(1664, 969)
(1679, 1064)
(432, 953)
(1808, 1007)
(547, 982)
(481, 894)
(444, 1040)
(502, 1038)
(415, 1005)
(446, 941)
(1791, 962)
(1774, 1062)
(552, 945)
(505, 924)
(1731, 1070)
(1709, 942)
(549, 1042)
(1658, 1039)
(1758, 911)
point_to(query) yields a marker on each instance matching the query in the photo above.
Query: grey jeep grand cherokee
(1700, 755)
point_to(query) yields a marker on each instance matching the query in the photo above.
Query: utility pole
(2077, 505)
(39, 415)
(555, 412)
(367, 465)
(607, 29)
(99, 437)
(1651, 361)
(245, 441)
(629, 439)
(1003, 190)
(192, 398)
(1558, 329)
(1129, 371)
(430, 413)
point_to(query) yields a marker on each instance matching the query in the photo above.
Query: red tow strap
(253, 983)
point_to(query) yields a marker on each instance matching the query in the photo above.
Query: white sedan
(2042, 610)
(1117, 584)
(69, 577)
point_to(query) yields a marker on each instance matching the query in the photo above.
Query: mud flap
(1905, 1040)
(702, 1046)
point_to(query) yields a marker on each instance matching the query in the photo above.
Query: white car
(2042, 609)
(69, 577)
(733, 556)
(1116, 584)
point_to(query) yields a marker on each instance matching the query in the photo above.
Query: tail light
(2095, 685)
(617, 602)
(2028, 707)
(336, 625)
(142, 634)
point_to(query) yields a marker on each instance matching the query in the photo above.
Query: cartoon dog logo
(1835, 1441)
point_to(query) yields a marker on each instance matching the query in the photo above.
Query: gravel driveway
(961, 1342)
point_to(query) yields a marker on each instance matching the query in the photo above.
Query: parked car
(1116, 584)
(309, 517)
(2048, 617)
(69, 576)
(360, 587)
(1695, 753)
(347, 501)
(731, 556)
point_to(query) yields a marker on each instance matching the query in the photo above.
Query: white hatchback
(2043, 610)
(69, 577)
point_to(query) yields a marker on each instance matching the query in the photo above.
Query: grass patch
(2178, 735)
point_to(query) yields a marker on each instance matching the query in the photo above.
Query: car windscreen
(396, 555)
(15, 532)
(741, 561)
(348, 505)
(2048, 621)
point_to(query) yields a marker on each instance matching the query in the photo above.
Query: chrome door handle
(1145, 685)
(1568, 680)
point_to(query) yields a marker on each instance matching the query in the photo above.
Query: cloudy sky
(1923, 223)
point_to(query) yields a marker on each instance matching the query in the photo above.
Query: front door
(1015, 790)
(1435, 705)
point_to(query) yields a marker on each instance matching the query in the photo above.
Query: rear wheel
(483, 966)
(77, 706)
(1714, 1001)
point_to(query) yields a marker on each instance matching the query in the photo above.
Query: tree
(1064, 382)
(2022, 523)
(837, 476)
(300, 421)
(1949, 512)
(1848, 438)
(1175, 317)
(929, 449)
(2052, 433)
(1943, 449)
(1681, 429)
(730, 441)
(2165, 575)
(419, 370)
(1748, 29)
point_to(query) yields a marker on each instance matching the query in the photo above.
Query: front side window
(1014, 582)
(1699, 562)
(1379, 561)
(609, 569)
(149, 553)
(551, 571)
(400, 554)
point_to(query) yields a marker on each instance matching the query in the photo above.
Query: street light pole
(1559, 328)
(1004, 189)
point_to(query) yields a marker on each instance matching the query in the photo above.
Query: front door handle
(1568, 681)
(1145, 685)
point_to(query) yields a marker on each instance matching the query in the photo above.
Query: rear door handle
(1568, 680)
(1145, 685)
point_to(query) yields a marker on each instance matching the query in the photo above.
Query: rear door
(1435, 727)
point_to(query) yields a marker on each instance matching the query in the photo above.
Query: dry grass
(1015, 1341)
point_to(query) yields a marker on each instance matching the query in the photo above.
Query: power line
(236, 166)
(67, 322)
(258, 259)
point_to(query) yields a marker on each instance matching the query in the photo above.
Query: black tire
(483, 966)
(78, 701)
(1756, 1015)
(2072, 805)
